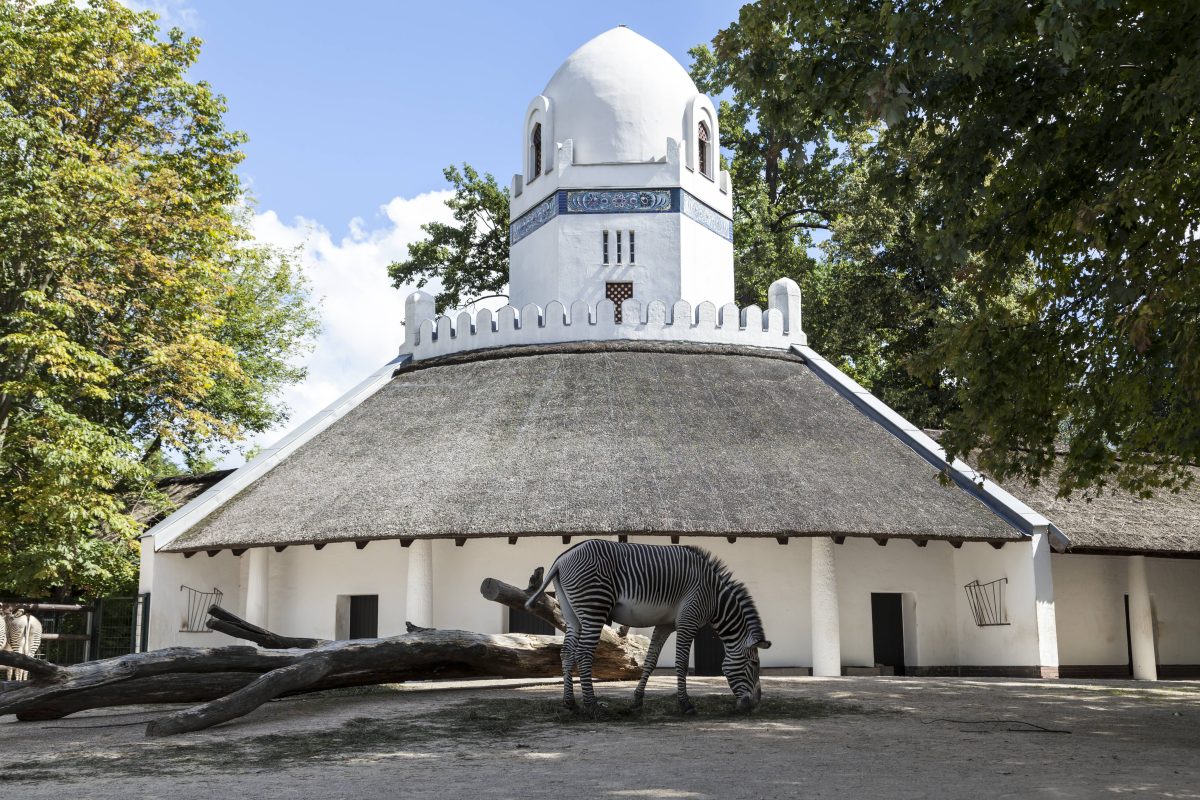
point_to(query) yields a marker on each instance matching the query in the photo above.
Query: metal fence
(74, 632)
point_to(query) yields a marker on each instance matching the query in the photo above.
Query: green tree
(469, 259)
(1048, 152)
(805, 207)
(135, 315)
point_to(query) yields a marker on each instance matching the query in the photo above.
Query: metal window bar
(606, 247)
(198, 603)
(618, 247)
(987, 602)
(632, 255)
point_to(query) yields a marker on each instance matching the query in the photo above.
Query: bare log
(231, 624)
(545, 608)
(231, 681)
(244, 700)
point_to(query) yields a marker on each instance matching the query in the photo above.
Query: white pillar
(1043, 588)
(826, 630)
(258, 586)
(418, 604)
(1141, 621)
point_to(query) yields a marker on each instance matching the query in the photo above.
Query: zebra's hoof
(596, 710)
(637, 704)
(688, 710)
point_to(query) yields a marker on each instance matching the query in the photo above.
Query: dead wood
(233, 680)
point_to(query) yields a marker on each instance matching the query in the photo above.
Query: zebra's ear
(763, 645)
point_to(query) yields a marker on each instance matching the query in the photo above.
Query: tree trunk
(233, 680)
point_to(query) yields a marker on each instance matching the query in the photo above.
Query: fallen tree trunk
(233, 680)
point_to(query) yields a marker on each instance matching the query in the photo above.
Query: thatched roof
(180, 490)
(1167, 524)
(603, 438)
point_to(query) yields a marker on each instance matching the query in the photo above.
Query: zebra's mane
(737, 588)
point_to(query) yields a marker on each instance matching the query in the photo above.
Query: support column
(826, 628)
(1043, 589)
(1141, 621)
(418, 604)
(258, 586)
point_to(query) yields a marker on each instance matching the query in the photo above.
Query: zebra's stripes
(673, 588)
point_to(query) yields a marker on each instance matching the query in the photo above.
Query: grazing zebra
(674, 588)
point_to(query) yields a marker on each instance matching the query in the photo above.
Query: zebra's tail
(545, 584)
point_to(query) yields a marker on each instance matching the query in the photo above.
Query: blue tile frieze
(619, 201)
(533, 219)
(715, 221)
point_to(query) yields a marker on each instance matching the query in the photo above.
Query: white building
(624, 395)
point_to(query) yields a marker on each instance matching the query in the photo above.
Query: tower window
(605, 247)
(618, 247)
(632, 254)
(617, 292)
(703, 156)
(535, 151)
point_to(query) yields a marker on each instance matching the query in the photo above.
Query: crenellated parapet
(777, 326)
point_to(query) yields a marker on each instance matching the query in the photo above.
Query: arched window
(535, 151)
(703, 156)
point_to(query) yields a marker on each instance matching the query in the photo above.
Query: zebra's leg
(585, 654)
(683, 654)
(570, 648)
(657, 640)
(570, 643)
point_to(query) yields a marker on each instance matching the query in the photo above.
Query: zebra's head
(741, 668)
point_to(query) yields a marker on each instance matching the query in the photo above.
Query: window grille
(606, 247)
(987, 602)
(703, 154)
(535, 151)
(632, 255)
(198, 603)
(618, 247)
(617, 292)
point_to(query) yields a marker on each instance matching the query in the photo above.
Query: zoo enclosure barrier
(76, 632)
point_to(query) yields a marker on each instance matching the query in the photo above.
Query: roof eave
(991, 494)
(193, 512)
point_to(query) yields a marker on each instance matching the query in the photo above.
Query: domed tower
(621, 193)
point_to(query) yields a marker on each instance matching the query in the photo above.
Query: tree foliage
(469, 258)
(806, 207)
(1049, 157)
(135, 315)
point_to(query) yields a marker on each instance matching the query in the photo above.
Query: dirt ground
(811, 738)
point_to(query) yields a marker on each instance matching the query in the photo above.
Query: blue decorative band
(619, 201)
(709, 217)
(612, 201)
(533, 219)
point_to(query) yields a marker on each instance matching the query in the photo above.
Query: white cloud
(361, 312)
(171, 13)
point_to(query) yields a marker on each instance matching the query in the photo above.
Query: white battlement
(777, 326)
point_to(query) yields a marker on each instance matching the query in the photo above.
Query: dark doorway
(887, 630)
(364, 616)
(1128, 639)
(710, 651)
(524, 622)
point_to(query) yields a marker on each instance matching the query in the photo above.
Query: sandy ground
(814, 738)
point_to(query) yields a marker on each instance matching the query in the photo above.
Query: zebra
(675, 588)
(23, 634)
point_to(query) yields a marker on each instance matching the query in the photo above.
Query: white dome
(619, 97)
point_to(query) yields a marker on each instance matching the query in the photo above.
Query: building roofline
(1005, 505)
(178, 523)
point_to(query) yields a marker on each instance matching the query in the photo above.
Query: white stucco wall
(923, 574)
(1091, 608)
(169, 604)
(1015, 644)
(305, 585)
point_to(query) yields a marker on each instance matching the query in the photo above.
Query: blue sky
(353, 109)
(348, 105)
